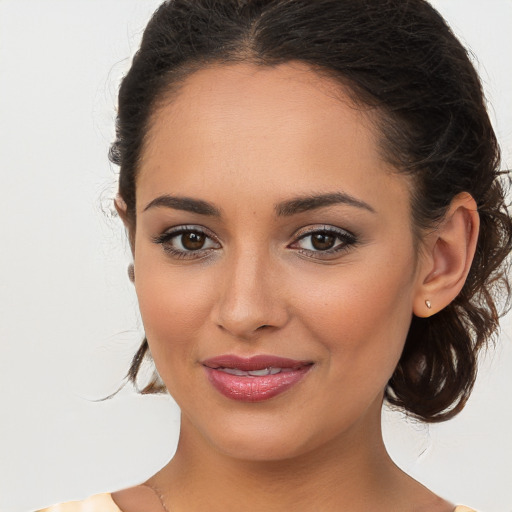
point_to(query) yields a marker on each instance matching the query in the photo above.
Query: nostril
(262, 326)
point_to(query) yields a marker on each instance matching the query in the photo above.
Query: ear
(447, 256)
(122, 208)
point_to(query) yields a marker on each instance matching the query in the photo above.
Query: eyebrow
(184, 203)
(313, 202)
(283, 209)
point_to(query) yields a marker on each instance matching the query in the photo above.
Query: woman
(312, 196)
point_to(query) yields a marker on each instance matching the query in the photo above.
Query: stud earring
(428, 304)
(131, 272)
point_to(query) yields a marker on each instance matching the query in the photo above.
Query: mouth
(256, 378)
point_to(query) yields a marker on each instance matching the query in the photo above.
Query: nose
(250, 297)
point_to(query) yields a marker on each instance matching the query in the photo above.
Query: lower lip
(254, 389)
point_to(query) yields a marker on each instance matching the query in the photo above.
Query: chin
(265, 441)
(263, 449)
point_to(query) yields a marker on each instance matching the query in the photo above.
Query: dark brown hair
(400, 59)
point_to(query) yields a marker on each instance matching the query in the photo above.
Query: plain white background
(68, 315)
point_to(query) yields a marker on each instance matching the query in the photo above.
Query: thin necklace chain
(159, 496)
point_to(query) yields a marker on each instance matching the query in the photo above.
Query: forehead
(291, 84)
(244, 125)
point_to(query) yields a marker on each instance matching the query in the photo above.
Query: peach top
(140, 500)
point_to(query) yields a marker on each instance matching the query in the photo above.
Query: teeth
(259, 373)
(253, 373)
(233, 371)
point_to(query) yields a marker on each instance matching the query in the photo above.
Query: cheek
(354, 316)
(167, 304)
(361, 314)
(173, 306)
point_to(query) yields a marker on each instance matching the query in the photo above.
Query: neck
(351, 472)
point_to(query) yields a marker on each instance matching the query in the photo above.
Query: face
(274, 260)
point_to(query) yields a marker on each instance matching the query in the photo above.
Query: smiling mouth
(254, 379)
(254, 373)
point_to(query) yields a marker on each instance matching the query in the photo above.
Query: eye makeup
(187, 242)
(197, 242)
(323, 242)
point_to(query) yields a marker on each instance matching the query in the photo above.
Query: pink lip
(254, 388)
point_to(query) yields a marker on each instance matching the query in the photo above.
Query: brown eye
(327, 243)
(187, 242)
(193, 241)
(323, 241)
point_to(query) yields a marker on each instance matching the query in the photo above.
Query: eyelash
(166, 238)
(346, 238)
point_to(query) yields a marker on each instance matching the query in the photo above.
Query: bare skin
(245, 140)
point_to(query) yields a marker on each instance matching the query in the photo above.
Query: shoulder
(133, 499)
(462, 508)
(97, 503)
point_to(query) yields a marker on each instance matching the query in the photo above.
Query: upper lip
(258, 362)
